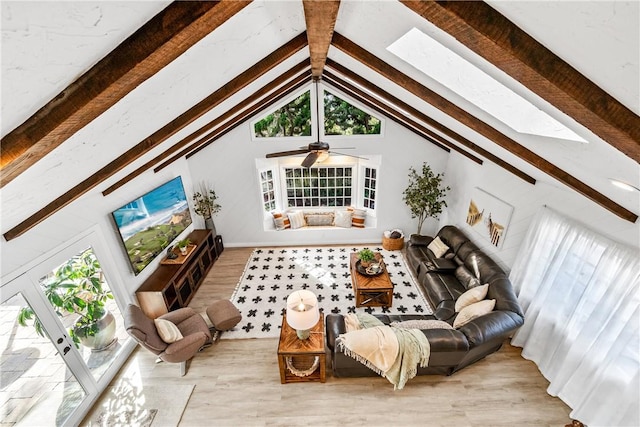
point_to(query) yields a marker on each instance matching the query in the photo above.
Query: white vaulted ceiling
(47, 45)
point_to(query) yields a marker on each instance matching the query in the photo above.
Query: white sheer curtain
(581, 301)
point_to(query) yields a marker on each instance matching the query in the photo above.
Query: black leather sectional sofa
(442, 282)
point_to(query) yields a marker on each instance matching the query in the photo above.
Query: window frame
(285, 101)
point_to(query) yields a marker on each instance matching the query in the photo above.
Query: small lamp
(302, 312)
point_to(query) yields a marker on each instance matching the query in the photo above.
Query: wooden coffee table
(371, 291)
(302, 353)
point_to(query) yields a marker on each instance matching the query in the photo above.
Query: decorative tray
(181, 258)
(371, 270)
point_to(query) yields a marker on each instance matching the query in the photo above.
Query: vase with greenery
(425, 194)
(366, 257)
(78, 287)
(206, 205)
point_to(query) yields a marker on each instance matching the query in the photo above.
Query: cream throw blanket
(392, 353)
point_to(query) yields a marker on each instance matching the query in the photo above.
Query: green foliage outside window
(294, 119)
(342, 118)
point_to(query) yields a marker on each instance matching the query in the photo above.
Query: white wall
(526, 199)
(229, 166)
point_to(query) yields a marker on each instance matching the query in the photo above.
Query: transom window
(318, 186)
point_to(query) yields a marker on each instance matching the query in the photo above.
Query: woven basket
(392, 244)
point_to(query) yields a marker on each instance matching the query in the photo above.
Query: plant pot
(183, 250)
(105, 335)
(209, 225)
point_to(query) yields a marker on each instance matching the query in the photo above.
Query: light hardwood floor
(237, 383)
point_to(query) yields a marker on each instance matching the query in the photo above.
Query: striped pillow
(297, 219)
(358, 217)
(281, 221)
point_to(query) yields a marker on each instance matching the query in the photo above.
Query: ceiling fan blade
(349, 155)
(310, 159)
(287, 153)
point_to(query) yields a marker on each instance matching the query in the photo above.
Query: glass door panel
(37, 387)
(77, 289)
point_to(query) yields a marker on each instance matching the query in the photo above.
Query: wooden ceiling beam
(431, 122)
(492, 36)
(412, 86)
(266, 89)
(134, 153)
(320, 17)
(153, 46)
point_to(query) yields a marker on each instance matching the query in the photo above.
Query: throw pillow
(343, 219)
(422, 324)
(474, 311)
(319, 219)
(281, 221)
(465, 277)
(473, 295)
(168, 331)
(358, 217)
(438, 247)
(296, 219)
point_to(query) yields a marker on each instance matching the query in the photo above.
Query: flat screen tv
(149, 224)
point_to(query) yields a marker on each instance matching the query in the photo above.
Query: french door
(46, 378)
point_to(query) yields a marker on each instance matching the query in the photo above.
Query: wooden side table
(302, 353)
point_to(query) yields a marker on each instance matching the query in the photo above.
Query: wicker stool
(223, 315)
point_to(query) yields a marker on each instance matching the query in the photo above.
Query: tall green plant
(425, 194)
(77, 287)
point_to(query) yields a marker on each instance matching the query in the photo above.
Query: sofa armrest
(334, 326)
(185, 348)
(492, 326)
(419, 240)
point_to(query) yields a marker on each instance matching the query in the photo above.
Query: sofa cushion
(343, 219)
(319, 219)
(473, 295)
(358, 217)
(168, 331)
(438, 247)
(474, 311)
(466, 277)
(297, 219)
(281, 221)
(482, 266)
(452, 237)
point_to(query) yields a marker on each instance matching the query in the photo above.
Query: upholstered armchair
(193, 328)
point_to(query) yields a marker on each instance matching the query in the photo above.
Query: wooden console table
(172, 286)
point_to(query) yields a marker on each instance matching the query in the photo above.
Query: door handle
(66, 350)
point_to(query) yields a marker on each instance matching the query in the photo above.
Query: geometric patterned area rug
(271, 274)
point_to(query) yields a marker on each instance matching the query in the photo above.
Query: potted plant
(78, 287)
(182, 245)
(425, 194)
(206, 206)
(366, 257)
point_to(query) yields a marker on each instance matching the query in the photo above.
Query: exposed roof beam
(452, 110)
(431, 122)
(134, 153)
(154, 45)
(320, 17)
(266, 89)
(382, 108)
(492, 36)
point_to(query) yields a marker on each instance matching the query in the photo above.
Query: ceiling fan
(316, 151)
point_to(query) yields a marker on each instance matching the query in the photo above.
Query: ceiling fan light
(323, 156)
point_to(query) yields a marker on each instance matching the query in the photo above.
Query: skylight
(473, 84)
